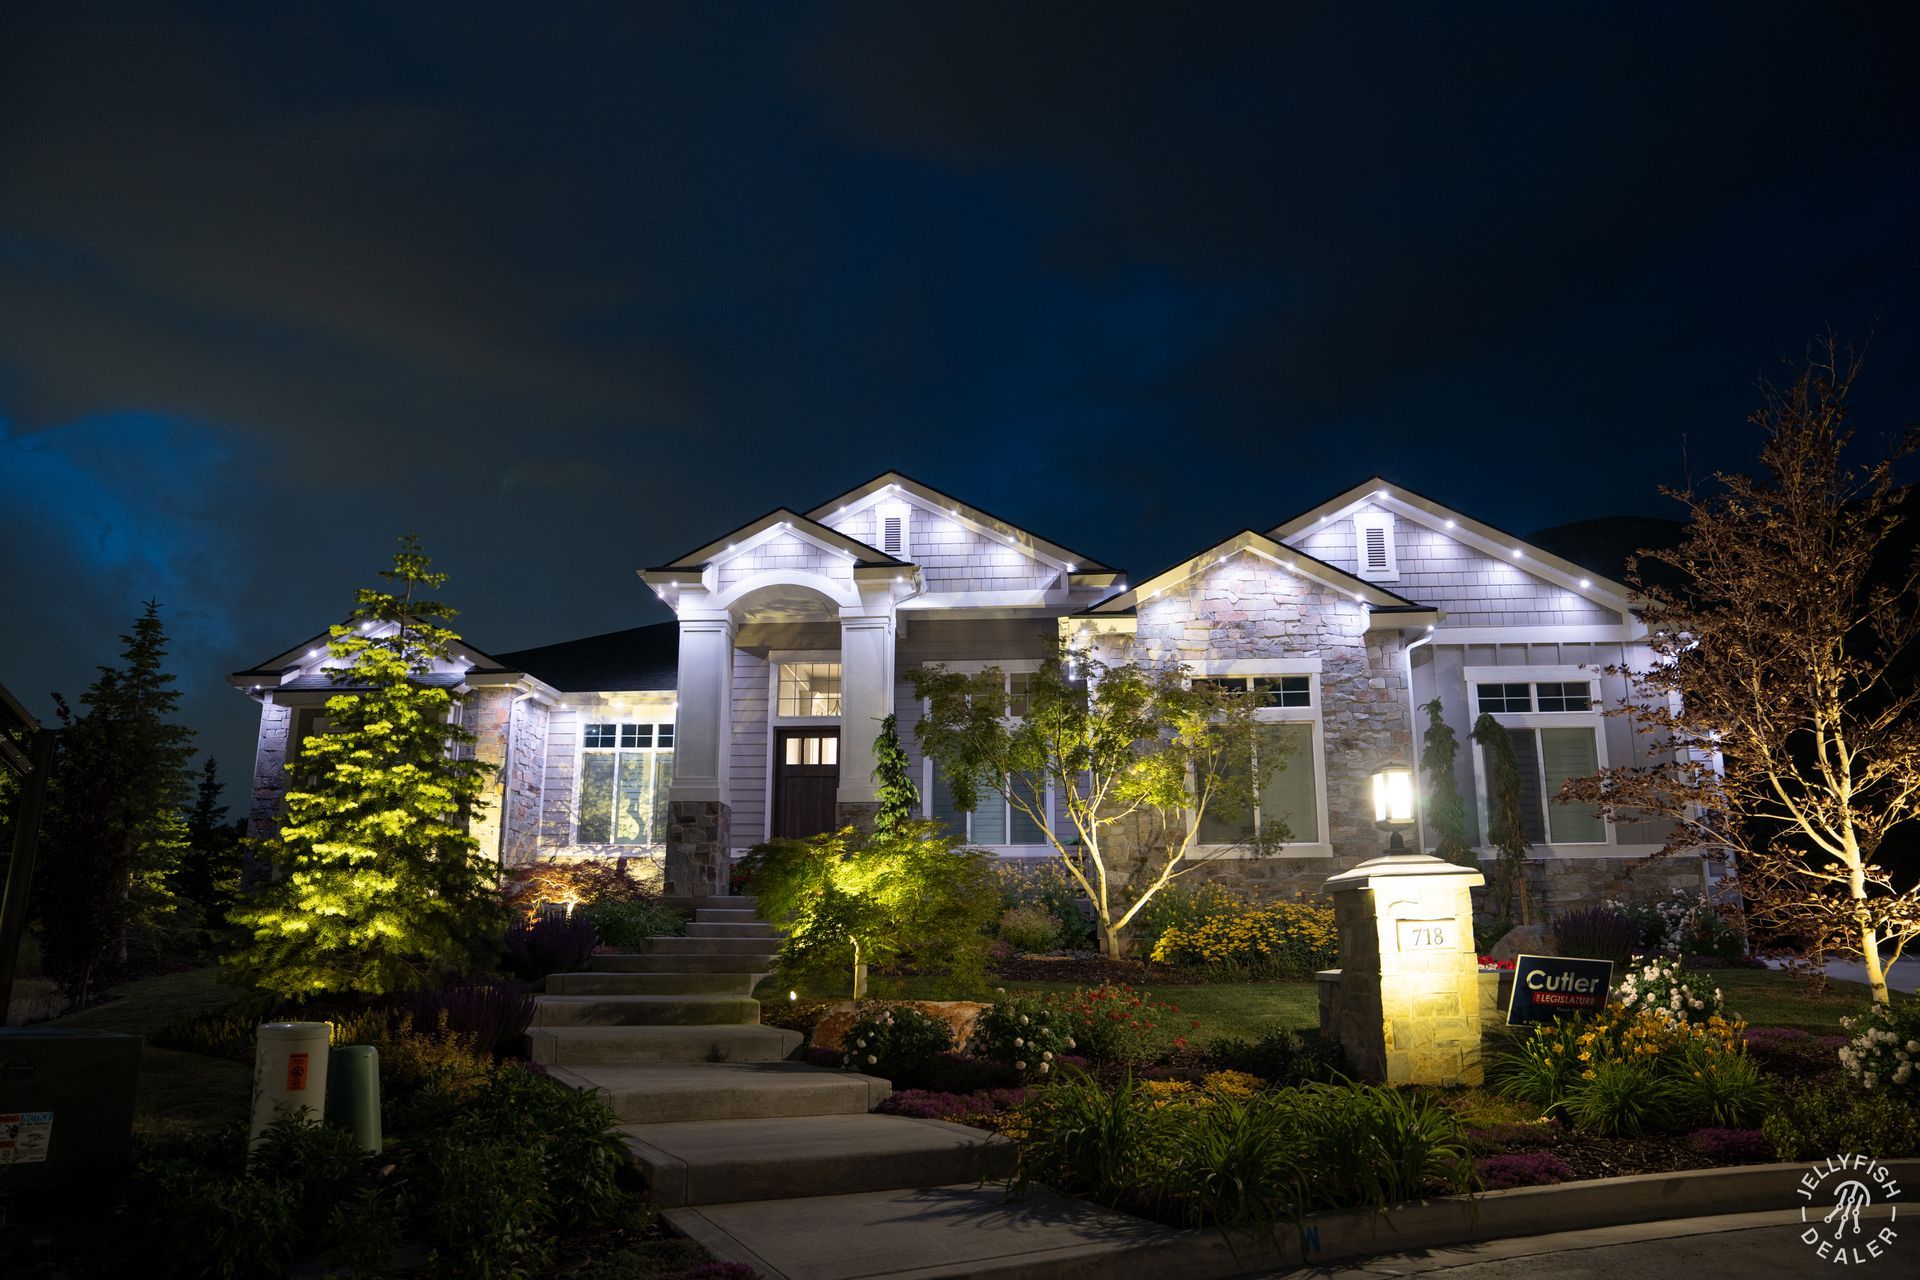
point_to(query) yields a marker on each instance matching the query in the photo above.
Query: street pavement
(1742, 1246)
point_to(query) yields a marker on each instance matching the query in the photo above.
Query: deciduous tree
(1138, 758)
(1781, 704)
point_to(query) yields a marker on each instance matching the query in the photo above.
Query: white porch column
(699, 820)
(866, 697)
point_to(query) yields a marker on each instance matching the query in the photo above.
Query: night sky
(569, 289)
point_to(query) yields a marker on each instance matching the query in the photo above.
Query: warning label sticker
(296, 1072)
(25, 1136)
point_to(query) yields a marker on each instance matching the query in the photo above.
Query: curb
(1522, 1211)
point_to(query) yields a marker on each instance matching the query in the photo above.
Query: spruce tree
(379, 888)
(899, 798)
(1506, 830)
(1446, 815)
(115, 835)
(210, 873)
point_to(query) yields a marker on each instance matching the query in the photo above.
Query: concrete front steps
(655, 1093)
(726, 1161)
(639, 1045)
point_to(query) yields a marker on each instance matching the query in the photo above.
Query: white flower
(1869, 1079)
(1045, 1067)
(1019, 1066)
(1913, 1046)
(1071, 1044)
(1023, 1019)
(871, 1059)
(1019, 1043)
(859, 1044)
(1047, 1056)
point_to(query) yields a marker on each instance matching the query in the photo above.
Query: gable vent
(1374, 550)
(893, 529)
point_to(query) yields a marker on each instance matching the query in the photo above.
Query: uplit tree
(1506, 828)
(1446, 815)
(1781, 703)
(378, 886)
(893, 771)
(114, 835)
(1138, 759)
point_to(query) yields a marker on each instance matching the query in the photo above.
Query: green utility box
(66, 1106)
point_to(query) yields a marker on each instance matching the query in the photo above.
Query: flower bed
(1283, 939)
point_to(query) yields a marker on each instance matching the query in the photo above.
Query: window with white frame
(808, 689)
(995, 820)
(626, 770)
(1286, 721)
(1555, 729)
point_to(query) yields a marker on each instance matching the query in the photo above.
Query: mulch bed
(1594, 1157)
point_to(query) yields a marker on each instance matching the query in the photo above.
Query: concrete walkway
(1902, 975)
(784, 1166)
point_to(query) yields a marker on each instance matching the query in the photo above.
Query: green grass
(177, 1092)
(144, 1006)
(1246, 1009)
(1770, 998)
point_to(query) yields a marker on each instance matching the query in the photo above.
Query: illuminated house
(754, 714)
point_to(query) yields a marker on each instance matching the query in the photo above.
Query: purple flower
(1521, 1169)
(1731, 1146)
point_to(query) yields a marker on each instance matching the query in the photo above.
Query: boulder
(959, 1015)
(1532, 939)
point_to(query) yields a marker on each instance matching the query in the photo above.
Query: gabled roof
(1082, 566)
(1483, 537)
(1288, 558)
(635, 660)
(865, 557)
(313, 647)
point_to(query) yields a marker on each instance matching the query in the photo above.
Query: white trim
(973, 667)
(1308, 666)
(1591, 719)
(1311, 714)
(1562, 673)
(1576, 634)
(843, 594)
(1365, 522)
(895, 488)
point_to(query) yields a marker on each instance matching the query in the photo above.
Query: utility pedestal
(1407, 1009)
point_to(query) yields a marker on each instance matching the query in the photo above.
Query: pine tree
(210, 873)
(1446, 815)
(1506, 830)
(115, 835)
(894, 772)
(379, 886)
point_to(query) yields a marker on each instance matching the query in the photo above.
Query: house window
(626, 770)
(994, 821)
(1555, 731)
(1374, 556)
(809, 689)
(1285, 718)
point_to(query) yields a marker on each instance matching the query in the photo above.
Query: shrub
(630, 923)
(1114, 1025)
(1023, 1033)
(1684, 924)
(1286, 939)
(549, 944)
(493, 1015)
(1279, 1057)
(1884, 1046)
(1375, 1145)
(898, 1042)
(1234, 1162)
(1601, 933)
(1624, 1098)
(581, 883)
(1731, 1146)
(1107, 1143)
(1488, 930)
(1660, 987)
(1541, 1065)
(1047, 884)
(983, 1109)
(1836, 1115)
(1186, 906)
(1521, 1169)
(1029, 928)
(795, 1015)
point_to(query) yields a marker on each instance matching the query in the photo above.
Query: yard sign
(1546, 988)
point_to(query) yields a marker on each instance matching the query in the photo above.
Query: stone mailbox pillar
(1408, 1005)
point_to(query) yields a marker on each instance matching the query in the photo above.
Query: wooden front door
(806, 778)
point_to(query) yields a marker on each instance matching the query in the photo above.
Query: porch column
(866, 696)
(699, 820)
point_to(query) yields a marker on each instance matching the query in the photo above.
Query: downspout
(1413, 734)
